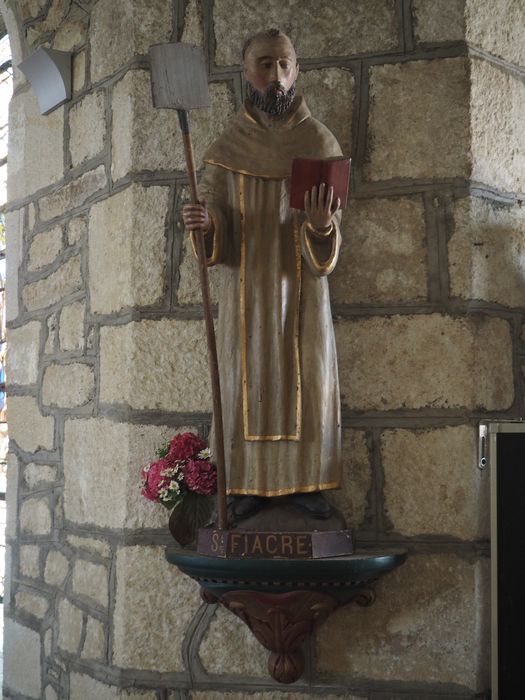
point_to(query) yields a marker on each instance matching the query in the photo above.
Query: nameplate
(244, 544)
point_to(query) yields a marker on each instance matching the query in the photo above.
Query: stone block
(31, 216)
(498, 27)
(370, 27)
(175, 352)
(118, 229)
(147, 138)
(36, 475)
(72, 32)
(48, 641)
(77, 230)
(53, 16)
(434, 361)
(193, 32)
(36, 146)
(329, 93)
(88, 544)
(56, 569)
(50, 693)
(29, 9)
(31, 603)
(51, 328)
(87, 123)
(71, 328)
(69, 627)
(73, 194)
(23, 352)
(143, 577)
(419, 120)
(94, 472)
(95, 641)
(79, 71)
(35, 517)
(352, 498)
(438, 20)
(430, 623)
(83, 687)
(27, 427)
(29, 560)
(432, 486)
(487, 252)
(8, 577)
(44, 248)
(53, 288)
(21, 652)
(68, 386)
(14, 226)
(11, 495)
(383, 258)
(230, 647)
(498, 139)
(91, 581)
(59, 512)
(122, 29)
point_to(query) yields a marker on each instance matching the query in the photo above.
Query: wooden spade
(179, 81)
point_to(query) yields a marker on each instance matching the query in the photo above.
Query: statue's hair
(266, 34)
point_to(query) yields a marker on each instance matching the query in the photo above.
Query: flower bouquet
(183, 479)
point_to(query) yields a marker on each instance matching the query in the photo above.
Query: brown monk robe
(277, 356)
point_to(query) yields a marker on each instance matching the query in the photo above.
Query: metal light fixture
(49, 72)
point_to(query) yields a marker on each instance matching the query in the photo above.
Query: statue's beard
(274, 100)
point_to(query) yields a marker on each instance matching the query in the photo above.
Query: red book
(307, 173)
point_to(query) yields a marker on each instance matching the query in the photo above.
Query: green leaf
(171, 504)
(194, 512)
(162, 452)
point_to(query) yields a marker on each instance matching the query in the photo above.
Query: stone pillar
(107, 352)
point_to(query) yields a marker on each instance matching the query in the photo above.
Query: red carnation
(200, 476)
(153, 478)
(184, 446)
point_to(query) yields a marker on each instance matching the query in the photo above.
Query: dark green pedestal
(282, 601)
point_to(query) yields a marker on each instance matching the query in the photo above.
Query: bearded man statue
(277, 356)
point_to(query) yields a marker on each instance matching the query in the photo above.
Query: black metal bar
(183, 121)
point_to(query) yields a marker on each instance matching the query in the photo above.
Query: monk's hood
(255, 145)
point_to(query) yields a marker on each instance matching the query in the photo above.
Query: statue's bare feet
(314, 503)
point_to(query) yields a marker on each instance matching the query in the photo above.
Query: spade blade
(178, 76)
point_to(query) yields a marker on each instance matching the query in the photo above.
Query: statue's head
(271, 69)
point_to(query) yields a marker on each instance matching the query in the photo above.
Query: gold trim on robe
(333, 239)
(284, 492)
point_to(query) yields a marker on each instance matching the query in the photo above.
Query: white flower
(174, 486)
(205, 453)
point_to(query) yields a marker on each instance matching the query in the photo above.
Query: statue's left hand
(320, 208)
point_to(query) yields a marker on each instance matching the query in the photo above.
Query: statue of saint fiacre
(277, 356)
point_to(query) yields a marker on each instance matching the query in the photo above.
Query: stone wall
(106, 349)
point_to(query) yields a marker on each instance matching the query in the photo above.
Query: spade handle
(198, 238)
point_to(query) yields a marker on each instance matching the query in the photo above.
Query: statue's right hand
(196, 216)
